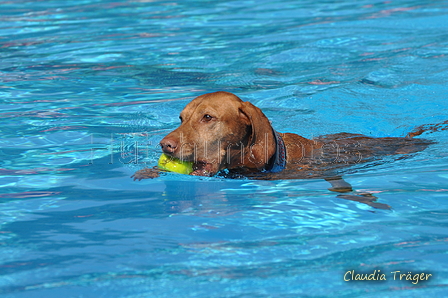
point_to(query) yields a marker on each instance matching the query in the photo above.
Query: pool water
(88, 89)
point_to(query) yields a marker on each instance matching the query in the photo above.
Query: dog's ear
(261, 142)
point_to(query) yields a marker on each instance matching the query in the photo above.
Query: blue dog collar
(278, 162)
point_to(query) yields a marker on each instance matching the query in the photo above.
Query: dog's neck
(277, 163)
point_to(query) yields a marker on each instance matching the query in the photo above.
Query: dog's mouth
(202, 168)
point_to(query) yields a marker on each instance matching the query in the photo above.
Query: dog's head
(218, 131)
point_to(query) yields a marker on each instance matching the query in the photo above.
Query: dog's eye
(207, 117)
(181, 120)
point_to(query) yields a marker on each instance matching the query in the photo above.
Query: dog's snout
(168, 145)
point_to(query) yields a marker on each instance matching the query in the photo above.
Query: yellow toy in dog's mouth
(169, 163)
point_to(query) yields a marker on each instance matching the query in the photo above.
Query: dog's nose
(168, 145)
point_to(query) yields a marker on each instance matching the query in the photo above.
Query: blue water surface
(88, 89)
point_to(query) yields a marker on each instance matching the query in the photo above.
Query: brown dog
(219, 131)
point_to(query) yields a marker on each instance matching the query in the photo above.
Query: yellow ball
(169, 163)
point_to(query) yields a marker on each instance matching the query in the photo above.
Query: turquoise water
(88, 89)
